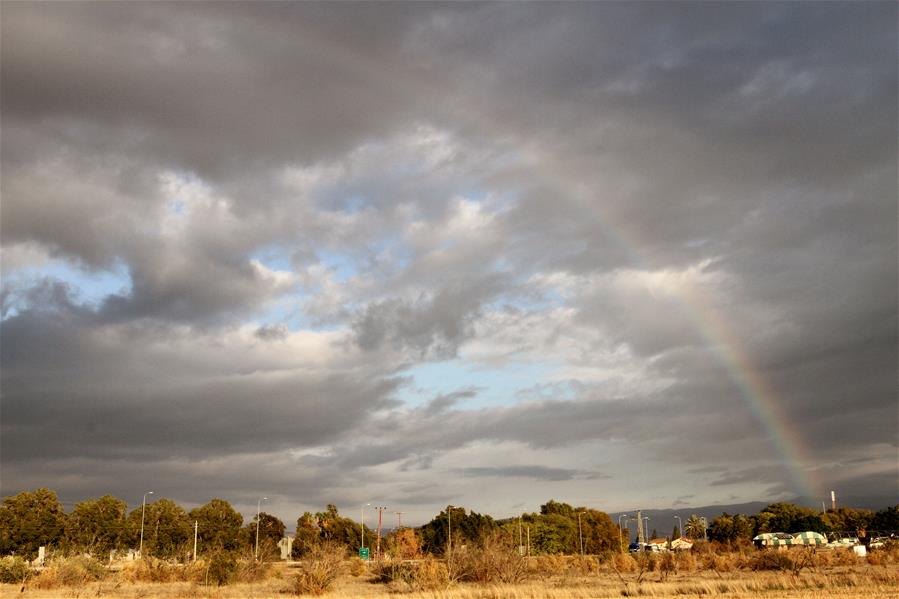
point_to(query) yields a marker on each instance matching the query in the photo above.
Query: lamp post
(258, 506)
(449, 530)
(680, 526)
(580, 534)
(362, 524)
(620, 544)
(519, 534)
(645, 530)
(143, 509)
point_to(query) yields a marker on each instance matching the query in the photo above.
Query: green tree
(789, 518)
(467, 527)
(271, 531)
(886, 520)
(336, 528)
(694, 527)
(167, 529)
(731, 530)
(29, 520)
(218, 526)
(97, 525)
(847, 519)
(308, 535)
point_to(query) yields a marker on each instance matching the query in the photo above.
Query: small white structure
(286, 547)
(681, 544)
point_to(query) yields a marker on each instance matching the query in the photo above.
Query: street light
(362, 524)
(258, 505)
(580, 531)
(519, 534)
(680, 526)
(645, 530)
(620, 544)
(449, 530)
(143, 509)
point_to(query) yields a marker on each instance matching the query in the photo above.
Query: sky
(625, 256)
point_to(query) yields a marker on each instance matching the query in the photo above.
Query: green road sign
(363, 552)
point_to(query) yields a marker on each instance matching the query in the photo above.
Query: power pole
(381, 510)
(196, 525)
(399, 519)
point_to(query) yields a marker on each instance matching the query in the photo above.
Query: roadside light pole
(449, 530)
(258, 506)
(580, 533)
(620, 543)
(362, 524)
(519, 534)
(143, 509)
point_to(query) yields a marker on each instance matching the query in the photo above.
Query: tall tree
(97, 525)
(218, 526)
(167, 529)
(694, 527)
(789, 518)
(29, 520)
(886, 520)
(271, 531)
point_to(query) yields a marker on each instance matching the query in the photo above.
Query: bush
(73, 571)
(14, 569)
(149, 569)
(770, 559)
(221, 568)
(320, 569)
(494, 560)
(251, 570)
(427, 575)
(623, 562)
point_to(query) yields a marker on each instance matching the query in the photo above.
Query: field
(552, 579)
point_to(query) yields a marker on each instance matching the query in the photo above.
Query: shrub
(356, 566)
(685, 561)
(427, 575)
(221, 568)
(150, 569)
(14, 569)
(770, 560)
(73, 571)
(623, 562)
(494, 560)
(320, 569)
(251, 570)
(582, 565)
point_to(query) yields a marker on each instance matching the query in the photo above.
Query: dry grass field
(826, 578)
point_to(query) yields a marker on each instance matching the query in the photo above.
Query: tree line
(32, 519)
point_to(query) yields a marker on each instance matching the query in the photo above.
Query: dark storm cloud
(307, 200)
(541, 473)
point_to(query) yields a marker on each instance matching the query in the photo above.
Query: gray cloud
(541, 473)
(644, 231)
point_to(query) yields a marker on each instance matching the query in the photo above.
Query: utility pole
(142, 510)
(378, 546)
(529, 541)
(399, 519)
(833, 500)
(580, 533)
(196, 527)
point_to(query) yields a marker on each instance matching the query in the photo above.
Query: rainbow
(758, 394)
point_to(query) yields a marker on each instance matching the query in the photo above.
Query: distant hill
(663, 520)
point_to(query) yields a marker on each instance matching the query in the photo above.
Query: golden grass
(842, 582)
